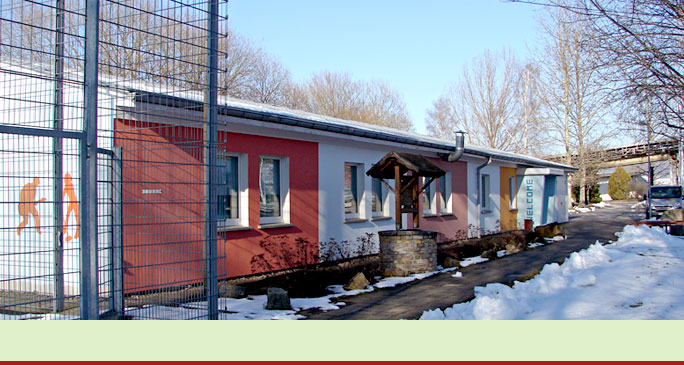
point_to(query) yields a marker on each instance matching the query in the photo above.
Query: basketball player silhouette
(27, 205)
(72, 207)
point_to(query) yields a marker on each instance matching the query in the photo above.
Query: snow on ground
(590, 208)
(254, 306)
(473, 260)
(640, 276)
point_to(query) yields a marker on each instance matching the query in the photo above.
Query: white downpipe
(479, 197)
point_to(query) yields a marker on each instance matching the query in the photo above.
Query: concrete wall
(331, 217)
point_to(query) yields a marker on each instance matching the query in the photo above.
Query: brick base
(407, 252)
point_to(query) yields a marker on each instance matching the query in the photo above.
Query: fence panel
(154, 222)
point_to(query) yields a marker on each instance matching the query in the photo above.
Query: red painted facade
(163, 206)
(454, 225)
(261, 250)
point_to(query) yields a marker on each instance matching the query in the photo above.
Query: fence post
(58, 243)
(210, 177)
(117, 233)
(88, 159)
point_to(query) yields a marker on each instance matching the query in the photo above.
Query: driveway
(409, 301)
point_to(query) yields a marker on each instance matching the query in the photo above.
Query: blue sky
(418, 47)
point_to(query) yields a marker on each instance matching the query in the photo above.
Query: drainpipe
(479, 197)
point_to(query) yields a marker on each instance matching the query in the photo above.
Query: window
(512, 193)
(273, 190)
(429, 198)
(232, 196)
(353, 191)
(485, 190)
(445, 193)
(378, 198)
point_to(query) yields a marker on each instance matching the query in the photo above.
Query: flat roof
(279, 115)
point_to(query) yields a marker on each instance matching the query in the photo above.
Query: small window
(378, 198)
(353, 191)
(512, 193)
(232, 196)
(485, 192)
(429, 206)
(273, 190)
(445, 193)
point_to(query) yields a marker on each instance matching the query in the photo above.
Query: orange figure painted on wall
(27, 205)
(72, 207)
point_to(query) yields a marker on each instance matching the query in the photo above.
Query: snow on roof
(281, 115)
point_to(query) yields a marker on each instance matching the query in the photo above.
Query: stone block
(358, 282)
(277, 299)
(232, 291)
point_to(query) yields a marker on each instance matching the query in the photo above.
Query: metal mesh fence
(151, 208)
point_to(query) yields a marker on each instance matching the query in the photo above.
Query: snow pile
(639, 205)
(473, 260)
(638, 277)
(589, 208)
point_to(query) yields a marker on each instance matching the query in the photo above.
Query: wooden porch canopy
(395, 166)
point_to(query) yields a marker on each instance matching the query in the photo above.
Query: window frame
(384, 194)
(242, 219)
(513, 192)
(360, 191)
(485, 191)
(284, 171)
(448, 206)
(431, 197)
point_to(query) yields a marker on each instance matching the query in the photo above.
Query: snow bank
(638, 277)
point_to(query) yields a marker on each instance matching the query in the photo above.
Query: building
(293, 187)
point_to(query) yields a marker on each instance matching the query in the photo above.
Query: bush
(592, 192)
(618, 184)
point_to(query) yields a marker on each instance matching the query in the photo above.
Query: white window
(429, 206)
(379, 198)
(512, 193)
(485, 191)
(232, 202)
(274, 197)
(353, 191)
(445, 194)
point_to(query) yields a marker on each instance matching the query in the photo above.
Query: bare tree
(575, 99)
(483, 103)
(338, 95)
(640, 44)
(529, 102)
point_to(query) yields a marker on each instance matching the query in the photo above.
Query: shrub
(618, 184)
(592, 193)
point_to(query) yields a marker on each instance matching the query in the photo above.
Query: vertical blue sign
(529, 200)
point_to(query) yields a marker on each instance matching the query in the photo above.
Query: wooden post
(397, 197)
(416, 211)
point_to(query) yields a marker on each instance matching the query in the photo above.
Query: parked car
(662, 198)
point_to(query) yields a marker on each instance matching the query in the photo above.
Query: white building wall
(486, 221)
(27, 263)
(562, 198)
(331, 218)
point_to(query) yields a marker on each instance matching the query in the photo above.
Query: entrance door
(549, 202)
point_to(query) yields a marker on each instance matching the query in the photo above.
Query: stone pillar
(407, 252)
